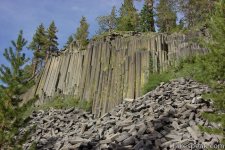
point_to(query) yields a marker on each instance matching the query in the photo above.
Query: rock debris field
(165, 118)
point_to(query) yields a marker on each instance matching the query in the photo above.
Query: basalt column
(111, 69)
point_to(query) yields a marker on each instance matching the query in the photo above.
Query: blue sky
(28, 14)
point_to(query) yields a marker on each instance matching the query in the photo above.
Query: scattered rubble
(162, 119)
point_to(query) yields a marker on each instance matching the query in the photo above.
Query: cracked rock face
(165, 118)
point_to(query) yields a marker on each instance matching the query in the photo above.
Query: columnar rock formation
(112, 68)
(165, 118)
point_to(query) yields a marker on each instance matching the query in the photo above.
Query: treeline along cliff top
(88, 94)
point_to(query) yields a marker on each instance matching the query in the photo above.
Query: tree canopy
(82, 32)
(214, 62)
(69, 40)
(196, 11)
(52, 38)
(166, 16)
(147, 17)
(39, 47)
(14, 76)
(128, 20)
(107, 23)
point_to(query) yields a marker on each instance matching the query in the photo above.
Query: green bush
(214, 62)
(213, 66)
(187, 67)
(155, 79)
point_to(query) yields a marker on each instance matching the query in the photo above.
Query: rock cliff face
(112, 68)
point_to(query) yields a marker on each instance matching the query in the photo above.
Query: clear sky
(28, 14)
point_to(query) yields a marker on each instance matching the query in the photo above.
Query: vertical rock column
(111, 69)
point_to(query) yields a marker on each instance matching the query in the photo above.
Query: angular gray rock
(164, 117)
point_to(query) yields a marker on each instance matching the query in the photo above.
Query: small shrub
(155, 79)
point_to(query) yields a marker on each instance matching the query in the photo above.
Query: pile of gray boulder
(165, 118)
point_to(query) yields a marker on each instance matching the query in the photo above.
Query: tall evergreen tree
(39, 46)
(113, 19)
(147, 17)
(52, 38)
(107, 23)
(166, 16)
(13, 76)
(6, 116)
(196, 11)
(81, 35)
(69, 41)
(128, 20)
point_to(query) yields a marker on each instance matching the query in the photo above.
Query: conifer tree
(13, 76)
(39, 47)
(52, 38)
(81, 34)
(6, 113)
(112, 19)
(166, 16)
(128, 20)
(69, 41)
(107, 23)
(196, 11)
(146, 17)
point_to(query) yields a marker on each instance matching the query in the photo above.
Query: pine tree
(113, 19)
(128, 20)
(146, 17)
(181, 24)
(15, 80)
(81, 35)
(196, 11)
(39, 47)
(107, 23)
(13, 76)
(69, 41)
(166, 16)
(52, 38)
(6, 113)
